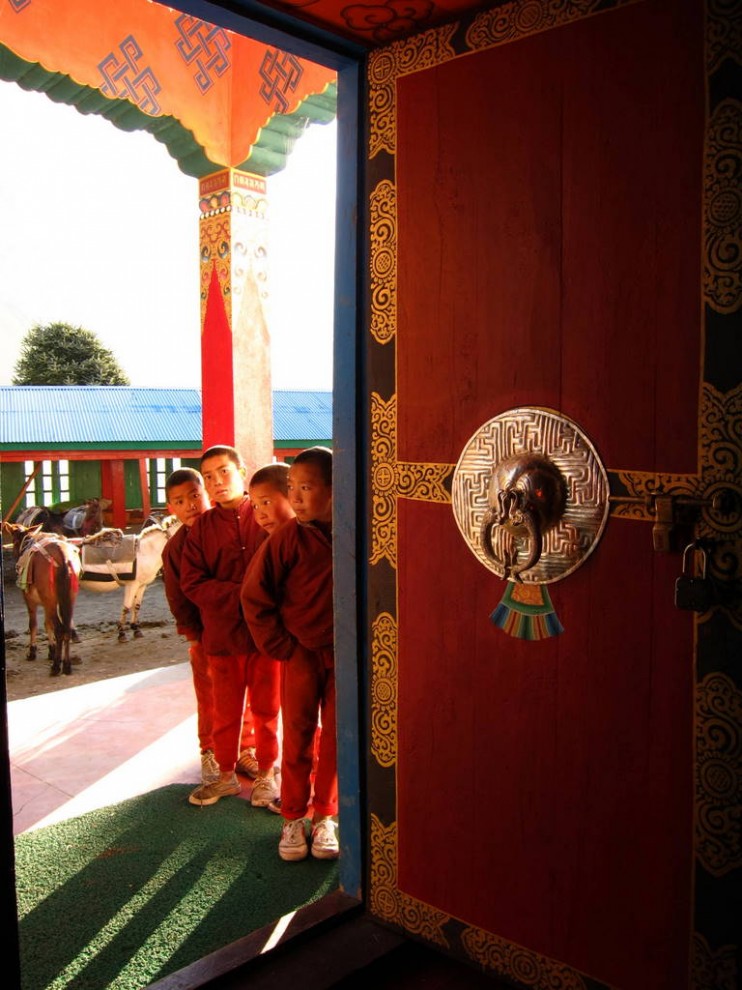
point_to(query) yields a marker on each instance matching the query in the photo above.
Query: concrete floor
(93, 745)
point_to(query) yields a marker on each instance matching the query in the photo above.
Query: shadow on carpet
(125, 895)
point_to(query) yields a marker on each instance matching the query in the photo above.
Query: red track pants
(308, 691)
(204, 691)
(232, 678)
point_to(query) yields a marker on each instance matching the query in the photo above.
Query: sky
(100, 230)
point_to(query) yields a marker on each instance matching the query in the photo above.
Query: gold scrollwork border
(713, 970)
(723, 34)
(720, 446)
(523, 18)
(719, 774)
(386, 899)
(383, 479)
(516, 963)
(722, 243)
(391, 479)
(423, 482)
(641, 485)
(384, 689)
(383, 279)
(386, 65)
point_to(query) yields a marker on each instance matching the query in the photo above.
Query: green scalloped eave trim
(268, 156)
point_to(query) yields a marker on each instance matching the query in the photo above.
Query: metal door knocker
(530, 498)
(527, 496)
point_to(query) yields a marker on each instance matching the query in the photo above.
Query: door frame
(347, 59)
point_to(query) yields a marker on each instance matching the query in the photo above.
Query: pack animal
(48, 568)
(130, 563)
(87, 519)
(81, 520)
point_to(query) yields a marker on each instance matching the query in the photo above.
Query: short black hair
(275, 475)
(222, 449)
(321, 457)
(182, 476)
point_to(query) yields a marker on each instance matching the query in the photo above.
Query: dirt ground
(98, 654)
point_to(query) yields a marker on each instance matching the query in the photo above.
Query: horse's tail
(68, 584)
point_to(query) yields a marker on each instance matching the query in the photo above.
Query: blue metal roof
(302, 416)
(83, 415)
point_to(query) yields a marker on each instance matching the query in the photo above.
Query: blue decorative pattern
(18, 5)
(124, 79)
(206, 46)
(280, 73)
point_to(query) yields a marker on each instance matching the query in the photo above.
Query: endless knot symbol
(204, 44)
(124, 80)
(280, 73)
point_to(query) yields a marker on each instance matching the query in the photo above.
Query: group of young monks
(248, 577)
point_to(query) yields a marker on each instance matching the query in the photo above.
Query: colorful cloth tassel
(525, 612)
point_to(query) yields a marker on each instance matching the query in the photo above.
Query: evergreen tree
(59, 354)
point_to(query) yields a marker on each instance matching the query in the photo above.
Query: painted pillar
(113, 487)
(144, 488)
(236, 391)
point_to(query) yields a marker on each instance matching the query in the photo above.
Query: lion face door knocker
(530, 497)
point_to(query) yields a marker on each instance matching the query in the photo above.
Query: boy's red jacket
(287, 591)
(186, 614)
(220, 545)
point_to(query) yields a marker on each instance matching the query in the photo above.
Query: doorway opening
(345, 317)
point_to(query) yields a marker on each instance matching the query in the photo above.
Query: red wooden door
(542, 234)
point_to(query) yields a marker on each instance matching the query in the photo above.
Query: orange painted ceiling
(215, 98)
(372, 23)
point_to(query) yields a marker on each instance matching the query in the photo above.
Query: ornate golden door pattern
(718, 697)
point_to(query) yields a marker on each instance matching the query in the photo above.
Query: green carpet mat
(125, 895)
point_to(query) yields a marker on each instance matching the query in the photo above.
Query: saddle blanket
(39, 546)
(109, 556)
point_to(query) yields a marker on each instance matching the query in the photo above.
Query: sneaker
(293, 845)
(325, 839)
(247, 763)
(275, 806)
(210, 793)
(209, 768)
(264, 790)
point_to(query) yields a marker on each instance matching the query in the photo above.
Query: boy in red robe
(287, 602)
(216, 554)
(187, 500)
(269, 495)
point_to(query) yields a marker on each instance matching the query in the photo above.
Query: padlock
(694, 592)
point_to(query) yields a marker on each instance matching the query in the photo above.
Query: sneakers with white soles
(209, 767)
(264, 790)
(211, 793)
(293, 845)
(325, 839)
(247, 763)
